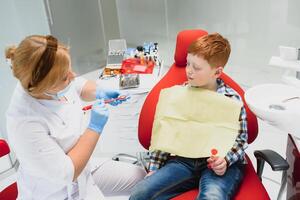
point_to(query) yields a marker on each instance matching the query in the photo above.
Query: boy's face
(200, 73)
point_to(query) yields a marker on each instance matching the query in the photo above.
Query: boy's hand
(149, 174)
(218, 164)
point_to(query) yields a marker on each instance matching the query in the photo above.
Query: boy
(216, 177)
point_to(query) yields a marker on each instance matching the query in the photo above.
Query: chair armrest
(276, 161)
(125, 157)
(142, 159)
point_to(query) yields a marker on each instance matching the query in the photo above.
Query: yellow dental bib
(189, 122)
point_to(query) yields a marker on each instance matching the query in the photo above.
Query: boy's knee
(213, 192)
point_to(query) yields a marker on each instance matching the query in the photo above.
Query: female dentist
(45, 130)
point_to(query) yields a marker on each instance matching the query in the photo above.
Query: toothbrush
(85, 108)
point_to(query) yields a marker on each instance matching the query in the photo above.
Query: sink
(277, 104)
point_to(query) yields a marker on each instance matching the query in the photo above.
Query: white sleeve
(40, 155)
(79, 83)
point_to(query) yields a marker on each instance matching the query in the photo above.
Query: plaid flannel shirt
(236, 153)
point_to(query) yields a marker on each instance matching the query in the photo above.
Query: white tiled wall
(17, 19)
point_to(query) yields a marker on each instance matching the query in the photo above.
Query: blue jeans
(182, 174)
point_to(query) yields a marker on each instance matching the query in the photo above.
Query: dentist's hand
(99, 117)
(110, 94)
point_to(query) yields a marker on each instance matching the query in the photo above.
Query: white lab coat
(41, 132)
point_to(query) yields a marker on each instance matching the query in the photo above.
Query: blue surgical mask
(60, 94)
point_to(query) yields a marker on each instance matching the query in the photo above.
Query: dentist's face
(200, 73)
(64, 82)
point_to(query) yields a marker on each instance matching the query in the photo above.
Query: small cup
(288, 53)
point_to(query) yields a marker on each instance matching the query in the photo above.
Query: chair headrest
(184, 39)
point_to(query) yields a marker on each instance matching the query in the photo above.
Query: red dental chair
(251, 187)
(11, 191)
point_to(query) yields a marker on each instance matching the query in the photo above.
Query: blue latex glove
(99, 117)
(110, 94)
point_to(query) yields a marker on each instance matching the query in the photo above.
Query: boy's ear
(219, 71)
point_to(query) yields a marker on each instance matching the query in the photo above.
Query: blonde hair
(29, 63)
(212, 47)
